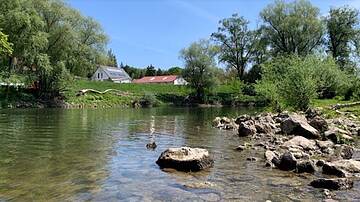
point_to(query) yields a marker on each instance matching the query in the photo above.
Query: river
(100, 155)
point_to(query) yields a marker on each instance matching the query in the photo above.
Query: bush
(294, 81)
(148, 100)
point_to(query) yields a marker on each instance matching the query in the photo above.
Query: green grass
(131, 93)
(326, 104)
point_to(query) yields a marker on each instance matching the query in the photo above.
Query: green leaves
(293, 28)
(5, 45)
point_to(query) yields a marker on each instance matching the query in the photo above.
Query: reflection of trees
(51, 154)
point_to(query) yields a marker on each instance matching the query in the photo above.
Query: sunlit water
(100, 155)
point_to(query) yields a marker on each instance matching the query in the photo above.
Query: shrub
(294, 81)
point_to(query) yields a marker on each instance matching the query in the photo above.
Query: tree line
(293, 56)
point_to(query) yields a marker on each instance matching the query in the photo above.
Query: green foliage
(295, 81)
(149, 99)
(200, 67)
(237, 43)
(175, 71)
(293, 28)
(150, 71)
(5, 45)
(342, 31)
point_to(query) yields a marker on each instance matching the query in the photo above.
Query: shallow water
(100, 155)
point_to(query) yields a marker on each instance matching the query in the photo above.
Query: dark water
(100, 155)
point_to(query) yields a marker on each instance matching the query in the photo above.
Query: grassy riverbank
(325, 106)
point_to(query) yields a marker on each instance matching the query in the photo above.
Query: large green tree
(342, 26)
(293, 28)
(237, 43)
(200, 67)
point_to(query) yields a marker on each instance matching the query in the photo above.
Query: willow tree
(200, 67)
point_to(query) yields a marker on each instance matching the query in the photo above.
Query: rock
(305, 167)
(151, 145)
(240, 148)
(271, 158)
(185, 159)
(224, 123)
(263, 128)
(341, 168)
(311, 113)
(320, 163)
(324, 144)
(287, 162)
(247, 129)
(338, 136)
(242, 118)
(346, 152)
(199, 185)
(251, 159)
(299, 141)
(319, 123)
(333, 184)
(328, 194)
(297, 125)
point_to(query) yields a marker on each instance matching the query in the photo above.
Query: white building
(114, 74)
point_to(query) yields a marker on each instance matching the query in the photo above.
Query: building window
(101, 75)
(98, 75)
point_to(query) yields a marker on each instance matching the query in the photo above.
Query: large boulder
(247, 128)
(185, 159)
(333, 184)
(341, 168)
(287, 162)
(297, 125)
(338, 136)
(299, 141)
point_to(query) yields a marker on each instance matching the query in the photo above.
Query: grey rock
(297, 125)
(185, 159)
(333, 184)
(346, 152)
(305, 167)
(341, 168)
(302, 142)
(319, 123)
(247, 129)
(287, 162)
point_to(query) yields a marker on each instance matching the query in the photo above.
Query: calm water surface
(100, 155)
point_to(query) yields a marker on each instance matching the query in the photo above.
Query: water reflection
(100, 155)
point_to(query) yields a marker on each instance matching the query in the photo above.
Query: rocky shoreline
(303, 143)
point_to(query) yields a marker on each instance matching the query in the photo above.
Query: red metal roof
(156, 79)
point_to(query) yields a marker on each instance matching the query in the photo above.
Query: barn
(114, 74)
(170, 79)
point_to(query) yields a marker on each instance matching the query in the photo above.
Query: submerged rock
(185, 159)
(333, 184)
(151, 145)
(297, 125)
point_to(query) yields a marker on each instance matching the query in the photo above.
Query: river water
(100, 155)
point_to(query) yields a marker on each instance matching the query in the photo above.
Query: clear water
(100, 155)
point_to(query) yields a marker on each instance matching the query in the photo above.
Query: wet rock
(247, 129)
(287, 162)
(199, 185)
(328, 194)
(297, 125)
(252, 159)
(319, 123)
(242, 118)
(320, 163)
(305, 167)
(224, 123)
(151, 145)
(271, 158)
(333, 184)
(185, 159)
(341, 168)
(299, 141)
(347, 152)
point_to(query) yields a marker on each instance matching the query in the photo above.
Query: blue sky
(144, 32)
